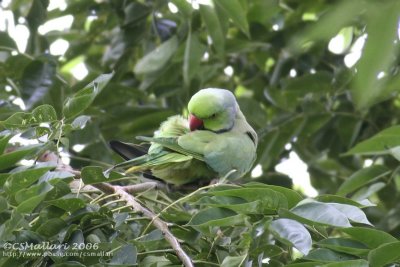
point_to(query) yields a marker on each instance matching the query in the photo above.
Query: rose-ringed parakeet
(213, 141)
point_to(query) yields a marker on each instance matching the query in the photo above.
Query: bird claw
(226, 176)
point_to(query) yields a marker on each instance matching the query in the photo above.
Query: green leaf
(37, 79)
(60, 189)
(216, 217)
(95, 174)
(44, 113)
(395, 152)
(379, 143)
(4, 138)
(262, 12)
(384, 254)
(75, 236)
(236, 204)
(150, 261)
(3, 178)
(32, 191)
(292, 196)
(53, 176)
(6, 229)
(377, 55)
(37, 14)
(233, 261)
(317, 84)
(135, 12)
(328, 25)
(267, 249)
(120, 218)
(15, 65)
(305, 264)
(68, 204)
(30, 204)
(366, 192)
(321, 213)
(236, 12)
(84, 97)
(277, 138)
(80, 122)
(344, 245)
(214, 27)
(351, 263)
(158, 58)
(23, 179)
(339, 199)
(51, 227)
(353, 213)
(372, 238)
(270, 199)
(194, 51)
(293, 233)
(7, 41)
(327, 255)
(184, 6)
(126, 255)
(361, 178)
(22, 120)
(3, 204)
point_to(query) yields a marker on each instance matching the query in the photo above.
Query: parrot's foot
(215, 181)
(226, 177)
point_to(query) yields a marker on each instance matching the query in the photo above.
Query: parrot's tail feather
(127, 151)
(149, 175)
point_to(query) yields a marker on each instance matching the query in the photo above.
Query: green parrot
(215, 141)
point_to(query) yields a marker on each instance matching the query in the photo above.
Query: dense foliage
(304, 79)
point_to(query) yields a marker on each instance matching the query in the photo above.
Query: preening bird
(213, 141)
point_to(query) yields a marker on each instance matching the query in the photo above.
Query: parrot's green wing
(150, 160)
(172, 144)
(139, 160)
(166, 158)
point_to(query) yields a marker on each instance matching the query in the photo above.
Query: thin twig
(190, 195)
(176, 202)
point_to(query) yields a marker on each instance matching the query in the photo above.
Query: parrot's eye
(213, 116)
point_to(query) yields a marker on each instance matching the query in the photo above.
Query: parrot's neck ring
(251, 137)
(222, 130)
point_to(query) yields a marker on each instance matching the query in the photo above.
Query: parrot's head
(212, 109)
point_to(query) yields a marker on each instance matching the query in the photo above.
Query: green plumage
(179, 156)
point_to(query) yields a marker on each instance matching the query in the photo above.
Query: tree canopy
(318, 80)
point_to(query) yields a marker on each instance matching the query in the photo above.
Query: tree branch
(157, 222)
(160, 224)
(124, 193)
(137, 188)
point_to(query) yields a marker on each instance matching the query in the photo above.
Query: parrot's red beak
(195, 123)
